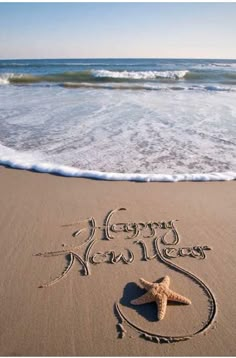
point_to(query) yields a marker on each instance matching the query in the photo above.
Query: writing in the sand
(135, 233)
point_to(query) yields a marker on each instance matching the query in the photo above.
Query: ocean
(120, 119)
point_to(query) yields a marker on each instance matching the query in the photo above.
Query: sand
(76, 315)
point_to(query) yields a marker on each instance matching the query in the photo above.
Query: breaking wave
(108, 76)
(90, 80)
(90, 76)
(140, 75)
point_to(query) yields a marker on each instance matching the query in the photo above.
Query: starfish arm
(147, 285)
(166, 281)
(146, 298)
(173, 296)
(161, 305)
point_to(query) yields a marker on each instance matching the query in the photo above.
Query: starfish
(159, 293)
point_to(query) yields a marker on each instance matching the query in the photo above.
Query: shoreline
(75, 315)
(69, 171)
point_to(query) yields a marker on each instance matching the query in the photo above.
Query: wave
(231, 65)
(135, 87)
(75, 81)
(5, 78)
(223, 65)
(44, 167)
(15, 78)
(215, 66)
(91, 76)
(32, 161)
(107, 76)
(140, 75)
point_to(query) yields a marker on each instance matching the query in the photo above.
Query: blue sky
(88, 30)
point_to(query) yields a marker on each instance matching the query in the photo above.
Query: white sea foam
(4, 78)
(110, 134)
(137, 75)
(26, 162)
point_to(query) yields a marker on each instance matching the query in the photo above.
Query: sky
(117, 30)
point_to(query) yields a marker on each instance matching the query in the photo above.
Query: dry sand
(75, 316)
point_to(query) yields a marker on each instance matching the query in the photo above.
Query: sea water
(120, 119)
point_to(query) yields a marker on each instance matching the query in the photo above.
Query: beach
(117, 179)
(83, 307)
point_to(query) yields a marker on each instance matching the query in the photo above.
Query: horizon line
(115, 58)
